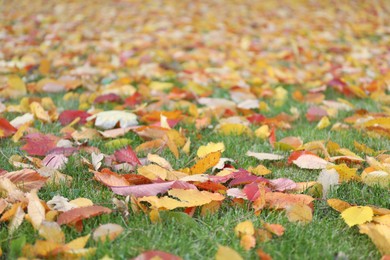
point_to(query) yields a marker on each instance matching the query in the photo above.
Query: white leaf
(265, 156)
(328, 179)
(108, 119)
(97, 160)
(309, 161)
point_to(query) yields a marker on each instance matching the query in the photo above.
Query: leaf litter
(159, 81)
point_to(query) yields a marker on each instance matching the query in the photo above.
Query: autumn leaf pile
(169, 72)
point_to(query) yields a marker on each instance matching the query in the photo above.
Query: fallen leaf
(357, 215)
(77, 214)
(52, 232)
(156, 255)
(107, 231)
(211, 147)
(309, 161)
(127, 155)
(265, 156)
(109, 119)
(299, 212)
(35, 209)
(6, 129)
(379, 234)
(226, 253)
(205, 163)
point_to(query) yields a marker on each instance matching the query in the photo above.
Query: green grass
(326, 236)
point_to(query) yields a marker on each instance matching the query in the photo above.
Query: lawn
(127, 110)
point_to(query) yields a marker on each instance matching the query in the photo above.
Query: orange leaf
(110, 178)
(206, 163)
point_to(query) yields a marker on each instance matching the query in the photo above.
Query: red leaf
(148, 255)
(6, 129)
(315, 113)
(252, 191)
(39, 144)
(256, 118)
(133, 100)
(272, 136)
(143, 190)
(107, 98)
(210, 186)
(67, 116)
(127, 155)
(74, 215)
(25, 179)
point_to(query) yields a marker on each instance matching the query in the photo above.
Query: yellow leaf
(52, 232)
(357, 215)
(154, 216)
(81, 202)
(211, 147)
(299, 212)
(338, 205)
(202, 165)
(153, 172)
(16, 88)
(259, 170)
(383, 122)
(155, 85)
(384, 220)
(39, 112)
(323, 123)
(226, 253)
(186, 147)
(244, 228)
(35, 209)
(380, 178)
(19, 133)
(83, 253)
(44, 248)
(234, 129)
(44, 66)
(78, 243)
(263, 132)
(379, 234)
(345, 173)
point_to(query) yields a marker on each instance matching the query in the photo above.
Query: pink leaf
(127, 155)
(107, 98)
(315, 113)
(283, 184)
(55, 161)
(143, 190)
(252, 191)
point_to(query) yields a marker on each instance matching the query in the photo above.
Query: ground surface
(303, 85)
